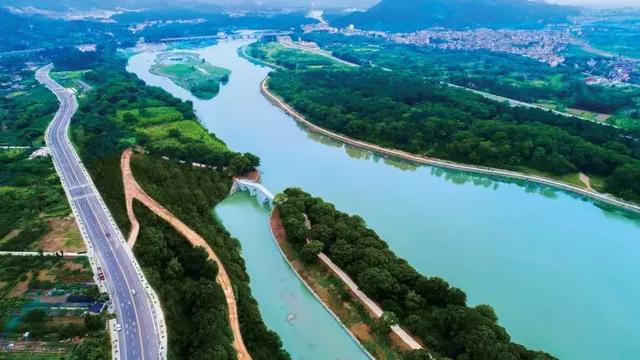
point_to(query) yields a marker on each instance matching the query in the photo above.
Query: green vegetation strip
(25, 114)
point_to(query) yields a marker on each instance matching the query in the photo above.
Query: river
(560, 270)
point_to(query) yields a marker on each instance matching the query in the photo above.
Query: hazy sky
(598, 3)
(367, 3)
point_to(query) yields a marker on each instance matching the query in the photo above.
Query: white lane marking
(130, 297)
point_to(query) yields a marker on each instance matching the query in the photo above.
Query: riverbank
(242, 52)
(359, 332)
(608, 199)
(342, 296)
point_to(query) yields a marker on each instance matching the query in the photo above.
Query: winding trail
(590, 193)
(132, 191)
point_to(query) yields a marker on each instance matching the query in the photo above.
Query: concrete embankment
(605, 198)
(404, 340)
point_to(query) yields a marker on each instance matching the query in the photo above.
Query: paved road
(142, 331)
(44, 253)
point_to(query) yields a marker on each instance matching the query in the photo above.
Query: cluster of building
(288, 42)
(11, 83)
(612, 71)
(543, 45)
(621, 69)
(135, 28)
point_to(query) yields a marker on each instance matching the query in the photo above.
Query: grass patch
(30, 194)
(573, 178)
(276, 53)
(68, 79)
(177, 132)
(149, 116)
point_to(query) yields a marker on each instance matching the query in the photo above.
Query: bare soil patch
(362, 331)
(45, 275)
(585, 180)
(21, 287)
(251, 176)
(63, 235)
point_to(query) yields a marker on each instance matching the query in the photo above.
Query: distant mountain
(411, 15)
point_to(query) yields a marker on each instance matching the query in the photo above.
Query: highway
(143, 333)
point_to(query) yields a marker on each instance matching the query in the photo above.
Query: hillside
(411, 15)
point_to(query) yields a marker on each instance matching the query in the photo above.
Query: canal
(561, 271)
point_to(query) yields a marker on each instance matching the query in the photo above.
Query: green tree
(311, 250)
(487, 311)
(382, 325)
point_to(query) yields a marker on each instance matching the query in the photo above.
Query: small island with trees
(190, 72)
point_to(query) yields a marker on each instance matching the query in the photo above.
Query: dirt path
(133, 191)
(586, 181)
(607, 198)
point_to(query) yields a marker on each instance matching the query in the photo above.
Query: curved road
(143, 333)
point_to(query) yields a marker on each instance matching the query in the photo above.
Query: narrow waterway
(561, 271)
(307, 330)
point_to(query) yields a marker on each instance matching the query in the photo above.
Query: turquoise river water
(560, 270)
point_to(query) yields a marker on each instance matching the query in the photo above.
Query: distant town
(543, 45)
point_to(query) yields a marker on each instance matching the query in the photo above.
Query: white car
(133, 291)
(118, 327)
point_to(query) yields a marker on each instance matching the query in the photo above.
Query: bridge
(234, 36)
(255, 189)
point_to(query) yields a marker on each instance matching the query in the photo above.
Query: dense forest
(121, 111)
(398, 110)
(427, 306)
(185, 280)
(513, 76)
(24, 111)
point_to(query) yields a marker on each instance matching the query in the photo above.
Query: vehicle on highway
(118, 327)
(100, 273)
(133, 291)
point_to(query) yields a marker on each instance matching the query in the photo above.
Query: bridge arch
(261, 193)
